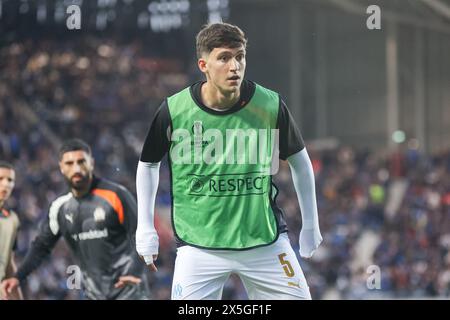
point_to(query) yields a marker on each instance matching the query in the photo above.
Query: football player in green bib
(224, 138)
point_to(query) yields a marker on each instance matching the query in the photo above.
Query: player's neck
(215, 99)
(2, 202)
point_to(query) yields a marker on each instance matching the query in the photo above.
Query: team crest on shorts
(177, 291)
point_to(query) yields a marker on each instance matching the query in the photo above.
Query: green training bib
(221, 172)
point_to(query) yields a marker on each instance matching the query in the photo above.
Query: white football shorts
(268, 273)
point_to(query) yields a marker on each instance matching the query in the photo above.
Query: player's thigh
(199, 274)
(273, 272)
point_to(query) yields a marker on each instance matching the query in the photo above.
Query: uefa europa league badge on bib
(197, 129)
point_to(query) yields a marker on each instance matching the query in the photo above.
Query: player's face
(7, 181)
(77, 167)
(224, 68)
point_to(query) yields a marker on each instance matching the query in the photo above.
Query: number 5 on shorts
(287, 267)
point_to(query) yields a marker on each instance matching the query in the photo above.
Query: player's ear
(202, 64)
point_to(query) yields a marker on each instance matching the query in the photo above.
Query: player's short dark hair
(6, 164)
(219, 35)
(74, 145)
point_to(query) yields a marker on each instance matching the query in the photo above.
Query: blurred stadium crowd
(390, 209)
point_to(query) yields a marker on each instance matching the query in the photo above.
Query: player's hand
(150, 261)
(7, 286)
(126, 280)
(310, 240)
(147, 245)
